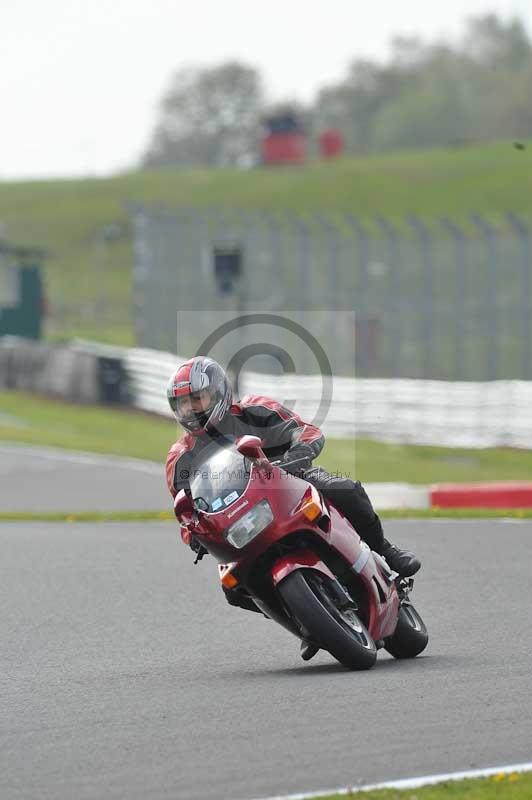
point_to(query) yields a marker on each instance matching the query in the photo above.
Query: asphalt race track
(124, 674)
(44, 479)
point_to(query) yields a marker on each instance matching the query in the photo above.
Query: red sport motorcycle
(280, 543)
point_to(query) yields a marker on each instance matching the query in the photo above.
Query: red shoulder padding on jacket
(178, 449)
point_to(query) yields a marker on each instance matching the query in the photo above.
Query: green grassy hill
(90, 289)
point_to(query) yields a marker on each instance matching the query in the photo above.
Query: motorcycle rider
(200, 395)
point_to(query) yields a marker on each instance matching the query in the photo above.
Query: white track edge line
(409, 783)
(84, 457)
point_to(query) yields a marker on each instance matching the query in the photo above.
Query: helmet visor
(192, 410)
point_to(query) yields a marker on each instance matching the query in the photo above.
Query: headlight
(250, 525)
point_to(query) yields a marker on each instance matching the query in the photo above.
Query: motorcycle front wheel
(334, 626)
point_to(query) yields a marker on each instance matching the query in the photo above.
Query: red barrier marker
(491, 494)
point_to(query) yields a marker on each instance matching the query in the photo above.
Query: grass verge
(42, 421)
(501, 786)
(32, 420)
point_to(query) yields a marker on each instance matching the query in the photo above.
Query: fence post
(362, 238)
(249, 223)
(332, 241)
(303, 231)
(458, 238)
(523, 233)
(488, 232)
(335, 301)
(394, 304)
(365, 326)
(142, 267)
(273, 227)
(425, 242)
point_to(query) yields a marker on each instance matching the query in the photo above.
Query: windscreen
(218, 478)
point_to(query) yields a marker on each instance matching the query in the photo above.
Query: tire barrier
(71, 372)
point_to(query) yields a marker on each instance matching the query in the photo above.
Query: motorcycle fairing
(299, 559)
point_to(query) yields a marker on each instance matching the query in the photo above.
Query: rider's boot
(401, 561)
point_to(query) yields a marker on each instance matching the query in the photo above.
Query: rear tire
(338, 630)
(410, 636)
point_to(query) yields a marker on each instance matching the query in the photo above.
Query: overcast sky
(80, 80)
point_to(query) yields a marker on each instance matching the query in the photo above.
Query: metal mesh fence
(444, 301)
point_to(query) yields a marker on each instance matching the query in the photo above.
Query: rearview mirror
(250, 446)
(183, 504)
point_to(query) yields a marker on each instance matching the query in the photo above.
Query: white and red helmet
(194, 375)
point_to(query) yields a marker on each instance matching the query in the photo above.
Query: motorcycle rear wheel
(410, 636)
(338, 630)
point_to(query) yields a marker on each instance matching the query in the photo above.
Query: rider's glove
(300, 452)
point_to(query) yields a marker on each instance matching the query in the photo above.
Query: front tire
(311, 602)
(410, 636)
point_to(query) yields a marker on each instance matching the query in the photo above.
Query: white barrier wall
(453, 414)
